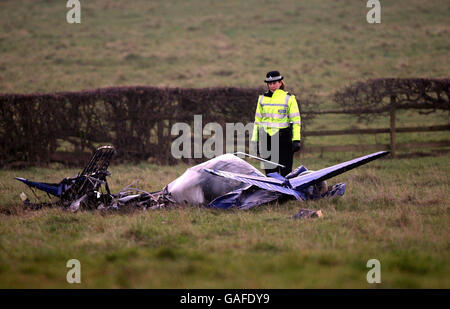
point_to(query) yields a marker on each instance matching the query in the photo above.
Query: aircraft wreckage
(225, 182)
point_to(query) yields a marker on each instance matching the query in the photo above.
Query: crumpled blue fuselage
(196, 187)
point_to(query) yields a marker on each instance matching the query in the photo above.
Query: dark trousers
(285, 154)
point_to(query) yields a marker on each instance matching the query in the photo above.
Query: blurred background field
(321, 45)
(396, 210)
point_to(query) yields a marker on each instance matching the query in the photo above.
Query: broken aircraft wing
(290, 186)
(307, 180)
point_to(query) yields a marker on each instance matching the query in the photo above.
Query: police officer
(277, 125)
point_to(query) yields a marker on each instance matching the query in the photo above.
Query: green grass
(319, 46)
(396, 211)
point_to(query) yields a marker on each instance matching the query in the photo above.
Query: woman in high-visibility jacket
(277, 125)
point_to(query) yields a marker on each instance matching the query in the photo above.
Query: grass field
(394, 210)
(320, 45)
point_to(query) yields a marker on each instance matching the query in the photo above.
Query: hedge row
(377, 96)
(136, 120)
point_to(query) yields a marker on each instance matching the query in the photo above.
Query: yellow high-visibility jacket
(275, 113)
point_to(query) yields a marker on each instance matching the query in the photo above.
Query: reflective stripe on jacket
(277, 112)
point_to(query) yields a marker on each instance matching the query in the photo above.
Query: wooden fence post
(392, 126)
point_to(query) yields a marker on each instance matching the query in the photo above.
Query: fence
(384, 97)
(393, 146)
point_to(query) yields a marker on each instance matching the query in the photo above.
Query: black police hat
(273, 76)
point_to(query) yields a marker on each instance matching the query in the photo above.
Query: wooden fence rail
(375, 131)
(374, 147)
(392, 130)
